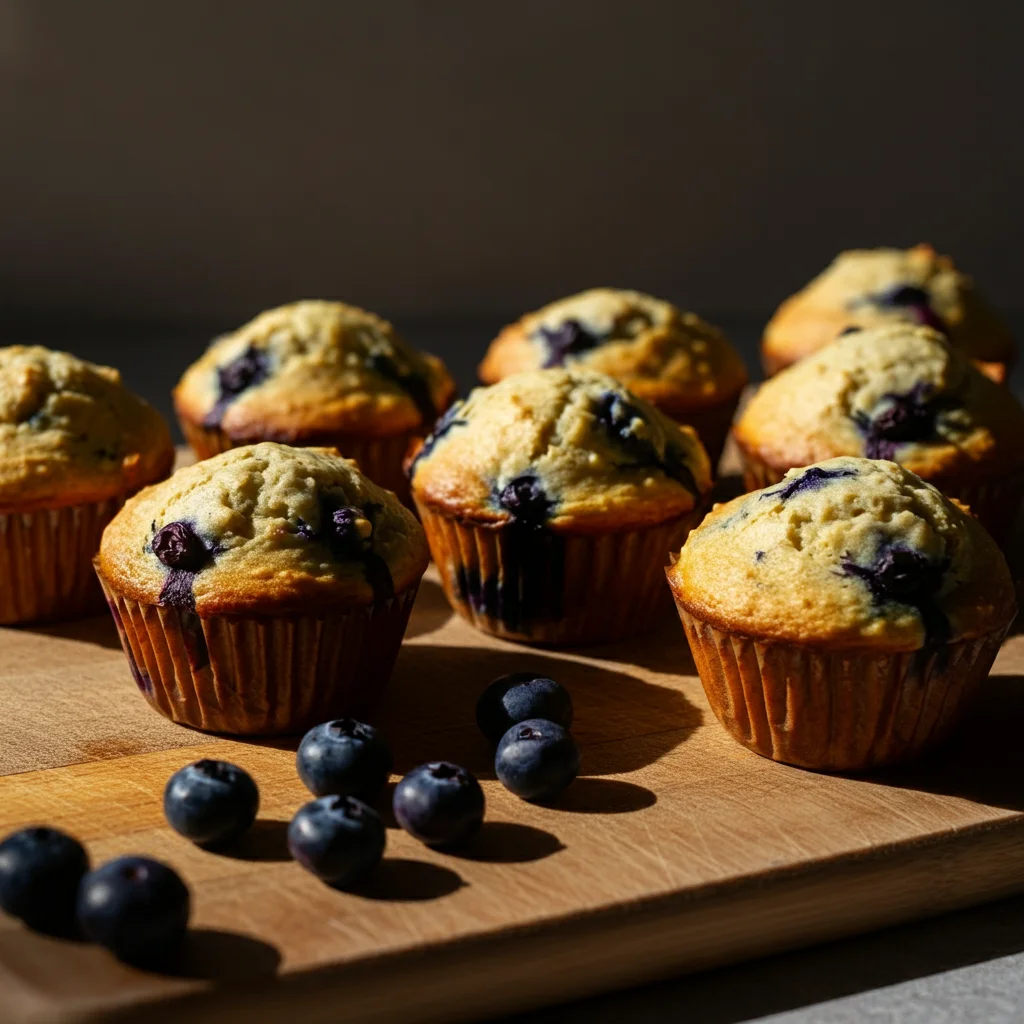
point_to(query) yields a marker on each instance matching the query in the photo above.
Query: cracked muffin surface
(309, 370)
(875, 287)
(671, 358)
(849, 553)
(71, 432)
(264, 528)
(569, 447)
(896, 392)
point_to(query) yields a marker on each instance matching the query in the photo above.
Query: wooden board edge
(587, 954)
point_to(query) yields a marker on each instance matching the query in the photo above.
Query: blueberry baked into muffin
(262, 590)
(674, 360)
(876, 287)
(550, 501)
(841, 619)
(901, 393)
(315, 373)
(74, 443)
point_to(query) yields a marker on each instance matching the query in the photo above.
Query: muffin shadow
(97, 629)
(430, 612)
(983, 760)
(621, 722)
(662, 649)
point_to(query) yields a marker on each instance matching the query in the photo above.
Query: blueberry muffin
(315, 373)
(674, 360)
(877, 287)
(900, 393)
(841, 619)
(74, 443)
(550, 501)
(263, 590)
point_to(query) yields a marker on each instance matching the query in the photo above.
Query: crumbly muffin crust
(71, 432)
(312, 370)
(571, 449)
(896, 392)
(847, 554)
(876, 287)
(673, 359)
(264, 529)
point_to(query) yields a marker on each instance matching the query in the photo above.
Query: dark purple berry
(40, 870)
(412, 383)
(338, 838)
(568, 339)
(536, 760)
(525, 500)
(520, 696)
(138, 908)
(213, 803)
(812, 479)
(440, 804)
(344, 758)
(179, 547)
(907, 417)
(243, 372)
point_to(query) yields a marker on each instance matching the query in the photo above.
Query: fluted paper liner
(995, 502)
(260, 676)
(841, 711)
(46, 562)
(560, 589)
(380, 458)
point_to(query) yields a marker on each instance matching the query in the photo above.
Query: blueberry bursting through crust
(907, 417)
(900, 575)
(252, 367)
(813, 480)
(913, 298)
(180, 548)
(568, 339)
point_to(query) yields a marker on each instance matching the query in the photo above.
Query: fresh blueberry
(519, 696)
(344, 758)
(536, 759)
(440, 804)
(213, 803)
(178, 546)
(338, 838)
(138, 908)
(40, 870)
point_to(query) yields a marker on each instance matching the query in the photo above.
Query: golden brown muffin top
(312, 370)
(71, 432)
(264, 530)
(846, 554)
(674, 359)
(897, 392)
(877, 287)
(569, 449)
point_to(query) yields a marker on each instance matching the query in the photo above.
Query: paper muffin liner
(839, 711)
(260, 676)
(540, 587)
(380, 458)
(712, 425)
(46, 562)
(995, 501)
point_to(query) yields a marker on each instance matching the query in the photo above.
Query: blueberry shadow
(266, 840)
(97, 629)
(621, 722)
(430, 612)
(509, 842)
(383, 805)
(398, 880)
(223, 957)
(603, 796)
(983, 760)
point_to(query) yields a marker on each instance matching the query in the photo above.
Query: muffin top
(898, 392)
(874, 287)
(567, 449)
(71, 432)
(310, 371)
(264, 529)
(671, 358)
(848, 554)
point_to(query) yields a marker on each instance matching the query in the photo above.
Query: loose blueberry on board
(338, 838)
(40, 871)
(344, 758)
(138, 908)
(440, 804)
(213, 803)
(812, 479)
(536, 760)
(569, 339)
(519, 696)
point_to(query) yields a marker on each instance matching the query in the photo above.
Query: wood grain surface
(675, 849)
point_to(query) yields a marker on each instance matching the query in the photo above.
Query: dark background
(168, 170)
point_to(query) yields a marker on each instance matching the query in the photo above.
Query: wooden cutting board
(675, 850)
